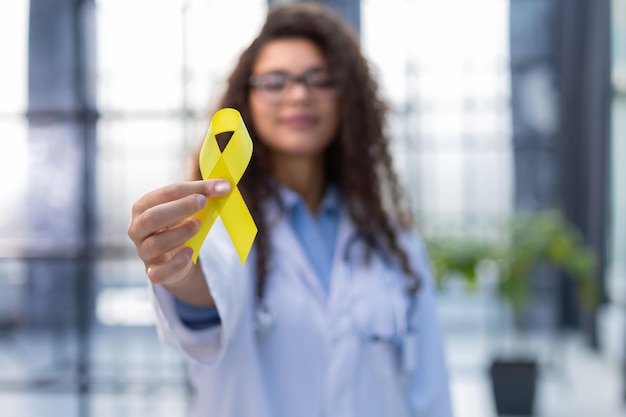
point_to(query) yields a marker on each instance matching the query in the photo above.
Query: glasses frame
(326, 90)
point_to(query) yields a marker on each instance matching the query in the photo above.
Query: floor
(580, 384)
(574, 381)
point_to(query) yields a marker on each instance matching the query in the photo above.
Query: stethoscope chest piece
(263, 318)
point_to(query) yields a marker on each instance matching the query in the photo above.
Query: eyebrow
(314, 68)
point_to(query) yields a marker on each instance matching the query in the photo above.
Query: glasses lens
(272, 82)
(319, 79)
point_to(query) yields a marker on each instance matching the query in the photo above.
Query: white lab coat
(318, 357)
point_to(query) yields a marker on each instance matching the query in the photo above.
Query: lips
(299, 121)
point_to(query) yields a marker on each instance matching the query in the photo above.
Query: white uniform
(338, 354)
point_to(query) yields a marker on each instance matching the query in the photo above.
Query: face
(293, 118)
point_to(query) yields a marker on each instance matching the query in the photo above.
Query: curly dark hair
(357, 161)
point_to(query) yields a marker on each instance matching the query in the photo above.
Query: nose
(298, 90)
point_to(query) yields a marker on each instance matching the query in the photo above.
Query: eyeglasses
(274, 85)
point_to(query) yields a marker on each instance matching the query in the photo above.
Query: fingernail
(201, 200)
(221, 187)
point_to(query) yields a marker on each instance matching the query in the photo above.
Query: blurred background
(498, 107)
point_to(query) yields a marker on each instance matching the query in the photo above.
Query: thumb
(217, 188)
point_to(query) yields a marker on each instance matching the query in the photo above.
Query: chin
(307, 140)
(300, 150)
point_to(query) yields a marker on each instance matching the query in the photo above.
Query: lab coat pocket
(378, 311)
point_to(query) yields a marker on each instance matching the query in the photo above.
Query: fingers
(217, 188)
(165, 216)
(169, 205)
(173, 192)
(175, 269)
(161, 224)
(157, 247)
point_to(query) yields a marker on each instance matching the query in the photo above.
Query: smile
(299, 121)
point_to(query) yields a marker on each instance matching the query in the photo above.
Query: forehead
(291, 55)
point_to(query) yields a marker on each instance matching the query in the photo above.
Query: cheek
(332, 114)
(260, 117)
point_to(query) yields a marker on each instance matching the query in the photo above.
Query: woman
(333, 313)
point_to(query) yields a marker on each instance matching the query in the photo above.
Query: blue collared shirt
(317, 235)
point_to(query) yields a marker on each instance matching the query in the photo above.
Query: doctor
(334, 312)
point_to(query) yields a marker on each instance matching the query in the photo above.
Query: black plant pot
(514, 384)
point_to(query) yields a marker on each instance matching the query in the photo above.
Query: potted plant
(528, 241)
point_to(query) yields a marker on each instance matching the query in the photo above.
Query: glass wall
(616, 271)
(451, 109)
(155, 89)
(13, 145)
(14, 160)
(160, 65)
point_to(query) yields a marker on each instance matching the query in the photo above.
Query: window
(450, 100)
(13, 125)
(617, 255)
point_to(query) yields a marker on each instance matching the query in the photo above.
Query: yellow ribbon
(229, 165)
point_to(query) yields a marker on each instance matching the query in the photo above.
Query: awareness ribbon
(230, 165)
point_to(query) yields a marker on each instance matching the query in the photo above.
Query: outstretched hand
(160, 226)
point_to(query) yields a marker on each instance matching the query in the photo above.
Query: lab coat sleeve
(428, 386)
(228, 282)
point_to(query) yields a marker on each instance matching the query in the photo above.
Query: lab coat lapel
(338, 276)
(287, 244)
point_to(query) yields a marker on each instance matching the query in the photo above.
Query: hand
(160, 226)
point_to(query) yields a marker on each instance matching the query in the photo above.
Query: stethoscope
(403, 336)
